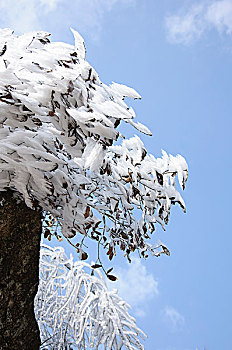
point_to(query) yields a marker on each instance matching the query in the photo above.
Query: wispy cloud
(189, 25)
(30, 15)
(219, 15)
(173, 318)
(136, 286)
(19, 15)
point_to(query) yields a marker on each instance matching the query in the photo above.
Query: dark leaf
(97, 233)
(112, 277)
(97, 224)
(96, 266)
(74, 54)
(124, 235)
(117, 122)
(70, 87)
(135, 191)
(165, 250)
(109, 251)
(37, 121)
(144, 153)
(122, 246)
(144, 228)
(160, 178)
(87, 212)
(83, 256)
(108, 169)
(65, 185)
(46, 233)
(3, 50)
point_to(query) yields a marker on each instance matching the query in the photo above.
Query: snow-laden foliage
(75, 310)
(58, 122)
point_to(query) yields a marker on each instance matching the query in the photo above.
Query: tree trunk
(20, 232)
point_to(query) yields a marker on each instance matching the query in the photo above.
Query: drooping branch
(75, 309)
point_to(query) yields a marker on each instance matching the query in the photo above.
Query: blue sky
(177, 55)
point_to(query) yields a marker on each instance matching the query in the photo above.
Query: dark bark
(20, 232)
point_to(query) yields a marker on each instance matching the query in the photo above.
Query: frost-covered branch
(74, 309)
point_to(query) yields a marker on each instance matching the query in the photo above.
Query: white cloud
(173, 318)
(136, 286)
(190, 25)
(219, 15)
(49, 5)
(30, 15)
(187, 27)
(19, 15)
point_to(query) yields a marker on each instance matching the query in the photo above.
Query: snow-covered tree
(58, 124)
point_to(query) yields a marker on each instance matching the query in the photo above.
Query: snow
(125, 91)
(79, 44)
